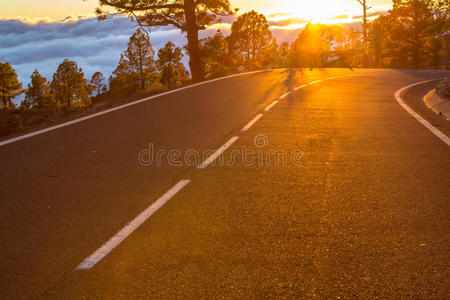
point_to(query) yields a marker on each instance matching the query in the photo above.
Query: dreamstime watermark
(257, 155)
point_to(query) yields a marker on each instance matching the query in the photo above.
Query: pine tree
(10, 85)
(122, 83)
(282, 56)
(171, 68)
(140, 58)
(96, 81)
(216, 58)
(38, 93)
(69, 87)
(250, 39)
(311, 47)
(416, 22)
(136, 69)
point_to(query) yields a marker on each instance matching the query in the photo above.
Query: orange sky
(315, 11)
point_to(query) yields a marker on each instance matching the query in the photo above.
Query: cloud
(279, 14)
(373, 14)
(339, 17)
(287, 22)
(228, 19)
(30, 44)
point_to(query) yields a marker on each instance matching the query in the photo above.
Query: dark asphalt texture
(365, 214)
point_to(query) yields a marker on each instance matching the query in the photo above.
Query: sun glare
(315, 10)
(319, 11)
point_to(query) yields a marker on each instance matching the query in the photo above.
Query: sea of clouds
(29, 44)
(95, 46)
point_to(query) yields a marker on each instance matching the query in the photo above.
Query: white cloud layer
(43, 45)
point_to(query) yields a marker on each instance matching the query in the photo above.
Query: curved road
(333, 191)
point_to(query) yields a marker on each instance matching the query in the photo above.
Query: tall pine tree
(171, 68)
(10, 85)
(69, 87)
(38, 96)
(136, 69)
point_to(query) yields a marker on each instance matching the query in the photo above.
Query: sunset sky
(317, 10)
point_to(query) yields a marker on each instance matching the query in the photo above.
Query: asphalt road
(356, 206)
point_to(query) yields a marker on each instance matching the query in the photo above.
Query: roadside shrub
(10, 122)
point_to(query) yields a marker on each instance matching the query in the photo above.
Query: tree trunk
(195, 62)
(365, 23)
(416, 40)
(141, 66)
(5, 102)
(365, 34)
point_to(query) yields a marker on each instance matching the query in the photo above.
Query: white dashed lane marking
(118, 238)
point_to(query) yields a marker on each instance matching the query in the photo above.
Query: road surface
(341, 194)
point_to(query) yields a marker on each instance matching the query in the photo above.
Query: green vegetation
(69, 87)
(136, 69)
(10, 86)
(414, 34)
(38, 96)
(172, 71)
(251, 42)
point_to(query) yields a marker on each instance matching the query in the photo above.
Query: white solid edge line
(271, 105)
(216, 154)
(22, 137)
(113, 242)
(434, 130)
(251, 123)
(285, 95)
(317, 81)
(300, 87)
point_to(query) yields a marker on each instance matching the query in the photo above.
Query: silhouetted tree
(365, 30)
(171, 68)
(321, 45)
(136, 69)
(250, 40)
(347, 48)
(282, 56)
(122, 82)
(37, 95)
(140, 58)
(69, 87)
(10, 85)
(310, 47)
(216, 57)
(415, 23)
(96, 81)
(189, 16)
(377, 36)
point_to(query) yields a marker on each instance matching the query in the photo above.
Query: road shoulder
(413, 97)
(439, 105)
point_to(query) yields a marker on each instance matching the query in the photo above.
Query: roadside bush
(10, 122)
